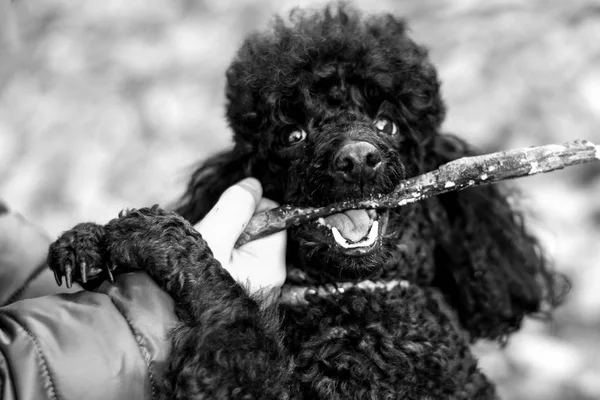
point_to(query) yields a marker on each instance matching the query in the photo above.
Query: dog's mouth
(355, 232)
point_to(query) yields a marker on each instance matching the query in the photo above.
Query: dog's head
(326, 107)
(329, 106)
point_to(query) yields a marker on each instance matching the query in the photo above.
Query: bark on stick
(456, 175)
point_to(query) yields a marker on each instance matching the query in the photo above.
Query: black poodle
(379, 304)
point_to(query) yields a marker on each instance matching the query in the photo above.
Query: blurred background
(113, 102)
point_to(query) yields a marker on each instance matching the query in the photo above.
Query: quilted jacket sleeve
(112, 344)
(57, 343)
(23, 270)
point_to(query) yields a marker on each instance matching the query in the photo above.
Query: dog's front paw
(79, 255)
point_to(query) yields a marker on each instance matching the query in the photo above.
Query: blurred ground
(116, 101)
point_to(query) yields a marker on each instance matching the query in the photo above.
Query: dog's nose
(357, 161)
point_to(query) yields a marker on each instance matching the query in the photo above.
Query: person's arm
(229, 343)
(112, 344)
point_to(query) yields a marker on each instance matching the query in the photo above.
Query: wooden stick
(456, 175)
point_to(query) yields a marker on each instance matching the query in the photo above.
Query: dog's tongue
(352, 224)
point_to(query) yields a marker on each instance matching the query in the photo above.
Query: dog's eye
(294, 137)
(386, 126)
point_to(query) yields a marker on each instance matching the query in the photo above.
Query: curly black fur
(330, 73)
(474, 271)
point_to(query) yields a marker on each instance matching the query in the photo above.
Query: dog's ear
(210, 180)
(489, 266)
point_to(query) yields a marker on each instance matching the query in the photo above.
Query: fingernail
(252, 185)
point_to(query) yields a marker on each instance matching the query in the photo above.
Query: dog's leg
(228, 346)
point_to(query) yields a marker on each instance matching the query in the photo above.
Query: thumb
(224, 223)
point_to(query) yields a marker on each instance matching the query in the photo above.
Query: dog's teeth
(369, 240)
(339, 238)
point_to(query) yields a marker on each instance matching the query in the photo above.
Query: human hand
(258, 265)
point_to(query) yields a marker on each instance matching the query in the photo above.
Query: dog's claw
(57, 277)
(83, 271)
(110, 275)
(68, 276)
(77, 255)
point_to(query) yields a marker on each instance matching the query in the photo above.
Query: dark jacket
(72, 344)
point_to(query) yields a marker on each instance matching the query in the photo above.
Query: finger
(274, 239)
(262, 261)
(224, 223)
(266, 204)
(263, 205)
(269, 251)
(264, 247)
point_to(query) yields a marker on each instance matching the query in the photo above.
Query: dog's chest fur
(358, 345)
